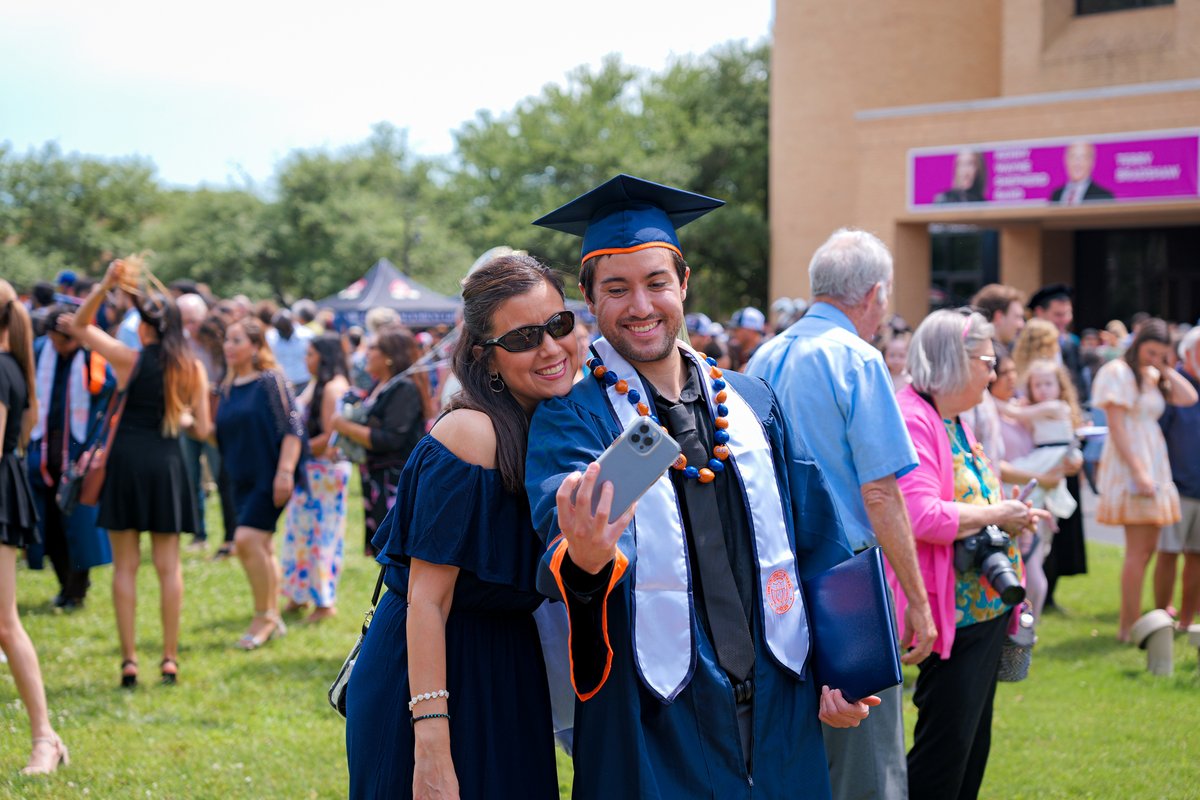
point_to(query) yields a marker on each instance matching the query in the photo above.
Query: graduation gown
(628, 742)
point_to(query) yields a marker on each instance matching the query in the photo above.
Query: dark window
(1083, 7)
(964, 260)
(1121, 272)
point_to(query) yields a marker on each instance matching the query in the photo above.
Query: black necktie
(722, 603)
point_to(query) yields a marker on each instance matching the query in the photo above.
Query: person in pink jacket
(951, 496)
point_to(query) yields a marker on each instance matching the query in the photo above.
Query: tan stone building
(861, 88)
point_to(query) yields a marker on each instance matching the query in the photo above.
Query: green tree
(72, 210)
(701, 124)
(213, 237)
(337, 214)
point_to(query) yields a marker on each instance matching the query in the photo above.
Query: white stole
(663, 612)
(78, 398)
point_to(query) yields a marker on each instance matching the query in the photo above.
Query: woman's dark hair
(398, 346)
(1152, 330)
(211, 337)
(14, 318)
(483, 291)
(284, 324)
(332, 362)
(159, 311)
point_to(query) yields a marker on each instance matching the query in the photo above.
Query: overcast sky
(219, 92)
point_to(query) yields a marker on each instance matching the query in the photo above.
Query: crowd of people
(957, 448)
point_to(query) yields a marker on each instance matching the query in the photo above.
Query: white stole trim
(78, 399)
(663, 611)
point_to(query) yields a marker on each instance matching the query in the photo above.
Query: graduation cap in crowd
(1047, 294)
(626, 214)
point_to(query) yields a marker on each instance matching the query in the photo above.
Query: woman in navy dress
(146, 486)
(449, 695)
(260, 437)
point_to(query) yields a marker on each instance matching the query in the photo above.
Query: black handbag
(337, 692)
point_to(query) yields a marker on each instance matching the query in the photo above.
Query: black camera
(987, 551)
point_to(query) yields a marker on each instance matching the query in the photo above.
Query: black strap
(374, 598)
(722, 602)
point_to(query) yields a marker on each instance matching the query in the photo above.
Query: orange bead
(643, 409)
(680, 462)
(721, 422)
(706, 476)
(721, 452)
(721, 397)
(622, 387)
(715, 373)
(703, 357)
(600, 371)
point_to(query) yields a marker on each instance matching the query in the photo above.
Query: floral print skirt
(315, 534)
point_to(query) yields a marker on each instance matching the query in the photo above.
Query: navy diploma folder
(853, 623)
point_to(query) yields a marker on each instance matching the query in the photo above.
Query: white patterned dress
(315, 534)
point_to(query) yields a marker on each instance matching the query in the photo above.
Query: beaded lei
(720, 451)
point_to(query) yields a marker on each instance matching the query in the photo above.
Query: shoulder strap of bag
(374, 599)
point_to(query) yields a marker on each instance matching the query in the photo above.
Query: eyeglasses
(528, 337)
(989, 360)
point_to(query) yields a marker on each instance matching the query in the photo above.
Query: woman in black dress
(395, 423)
(18, 524)
(147, 487)
(261, 437)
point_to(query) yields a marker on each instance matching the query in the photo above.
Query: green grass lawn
(1089, 722)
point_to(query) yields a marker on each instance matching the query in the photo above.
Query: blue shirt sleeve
(875, 429)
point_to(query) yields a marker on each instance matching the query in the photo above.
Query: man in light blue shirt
(843, 414)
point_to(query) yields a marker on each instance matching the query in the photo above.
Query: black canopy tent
(385, 286)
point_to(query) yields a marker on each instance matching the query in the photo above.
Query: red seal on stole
(780, 592)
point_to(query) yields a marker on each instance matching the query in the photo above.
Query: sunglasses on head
(528, 337)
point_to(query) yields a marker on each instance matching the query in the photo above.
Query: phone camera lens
(644, 429)
(635, 438)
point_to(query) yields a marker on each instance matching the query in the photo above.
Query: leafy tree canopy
(701, 124)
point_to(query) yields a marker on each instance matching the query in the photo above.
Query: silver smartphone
(633, 462)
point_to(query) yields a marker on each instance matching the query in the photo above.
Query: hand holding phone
(632, 463)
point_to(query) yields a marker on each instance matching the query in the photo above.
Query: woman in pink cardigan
(951, 495)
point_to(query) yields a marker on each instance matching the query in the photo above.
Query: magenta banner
(1132, 167)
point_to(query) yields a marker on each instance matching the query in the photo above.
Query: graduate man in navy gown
(689, 638)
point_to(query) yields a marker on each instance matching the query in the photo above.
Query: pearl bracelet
(427, 696)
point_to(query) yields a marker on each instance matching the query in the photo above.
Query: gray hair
(848, 265)
(939, 355)
(1189, 342)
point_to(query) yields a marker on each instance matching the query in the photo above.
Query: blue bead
(711, 361)
(634, 396)
(721, 437)
(718, 385)
(722, 410)
(595, 361)
(716, 465)
(691, 472)
(610, 379)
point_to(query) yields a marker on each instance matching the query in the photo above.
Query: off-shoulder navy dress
(501, 735)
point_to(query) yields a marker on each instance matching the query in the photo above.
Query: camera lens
(635, 438)
(644, 429)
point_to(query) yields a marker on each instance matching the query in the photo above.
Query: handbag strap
(374, 598)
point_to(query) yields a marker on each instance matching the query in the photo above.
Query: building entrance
(1119, 272)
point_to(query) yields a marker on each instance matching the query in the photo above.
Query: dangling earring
(496, 383)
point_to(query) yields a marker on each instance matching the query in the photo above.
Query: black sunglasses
(528, 337)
